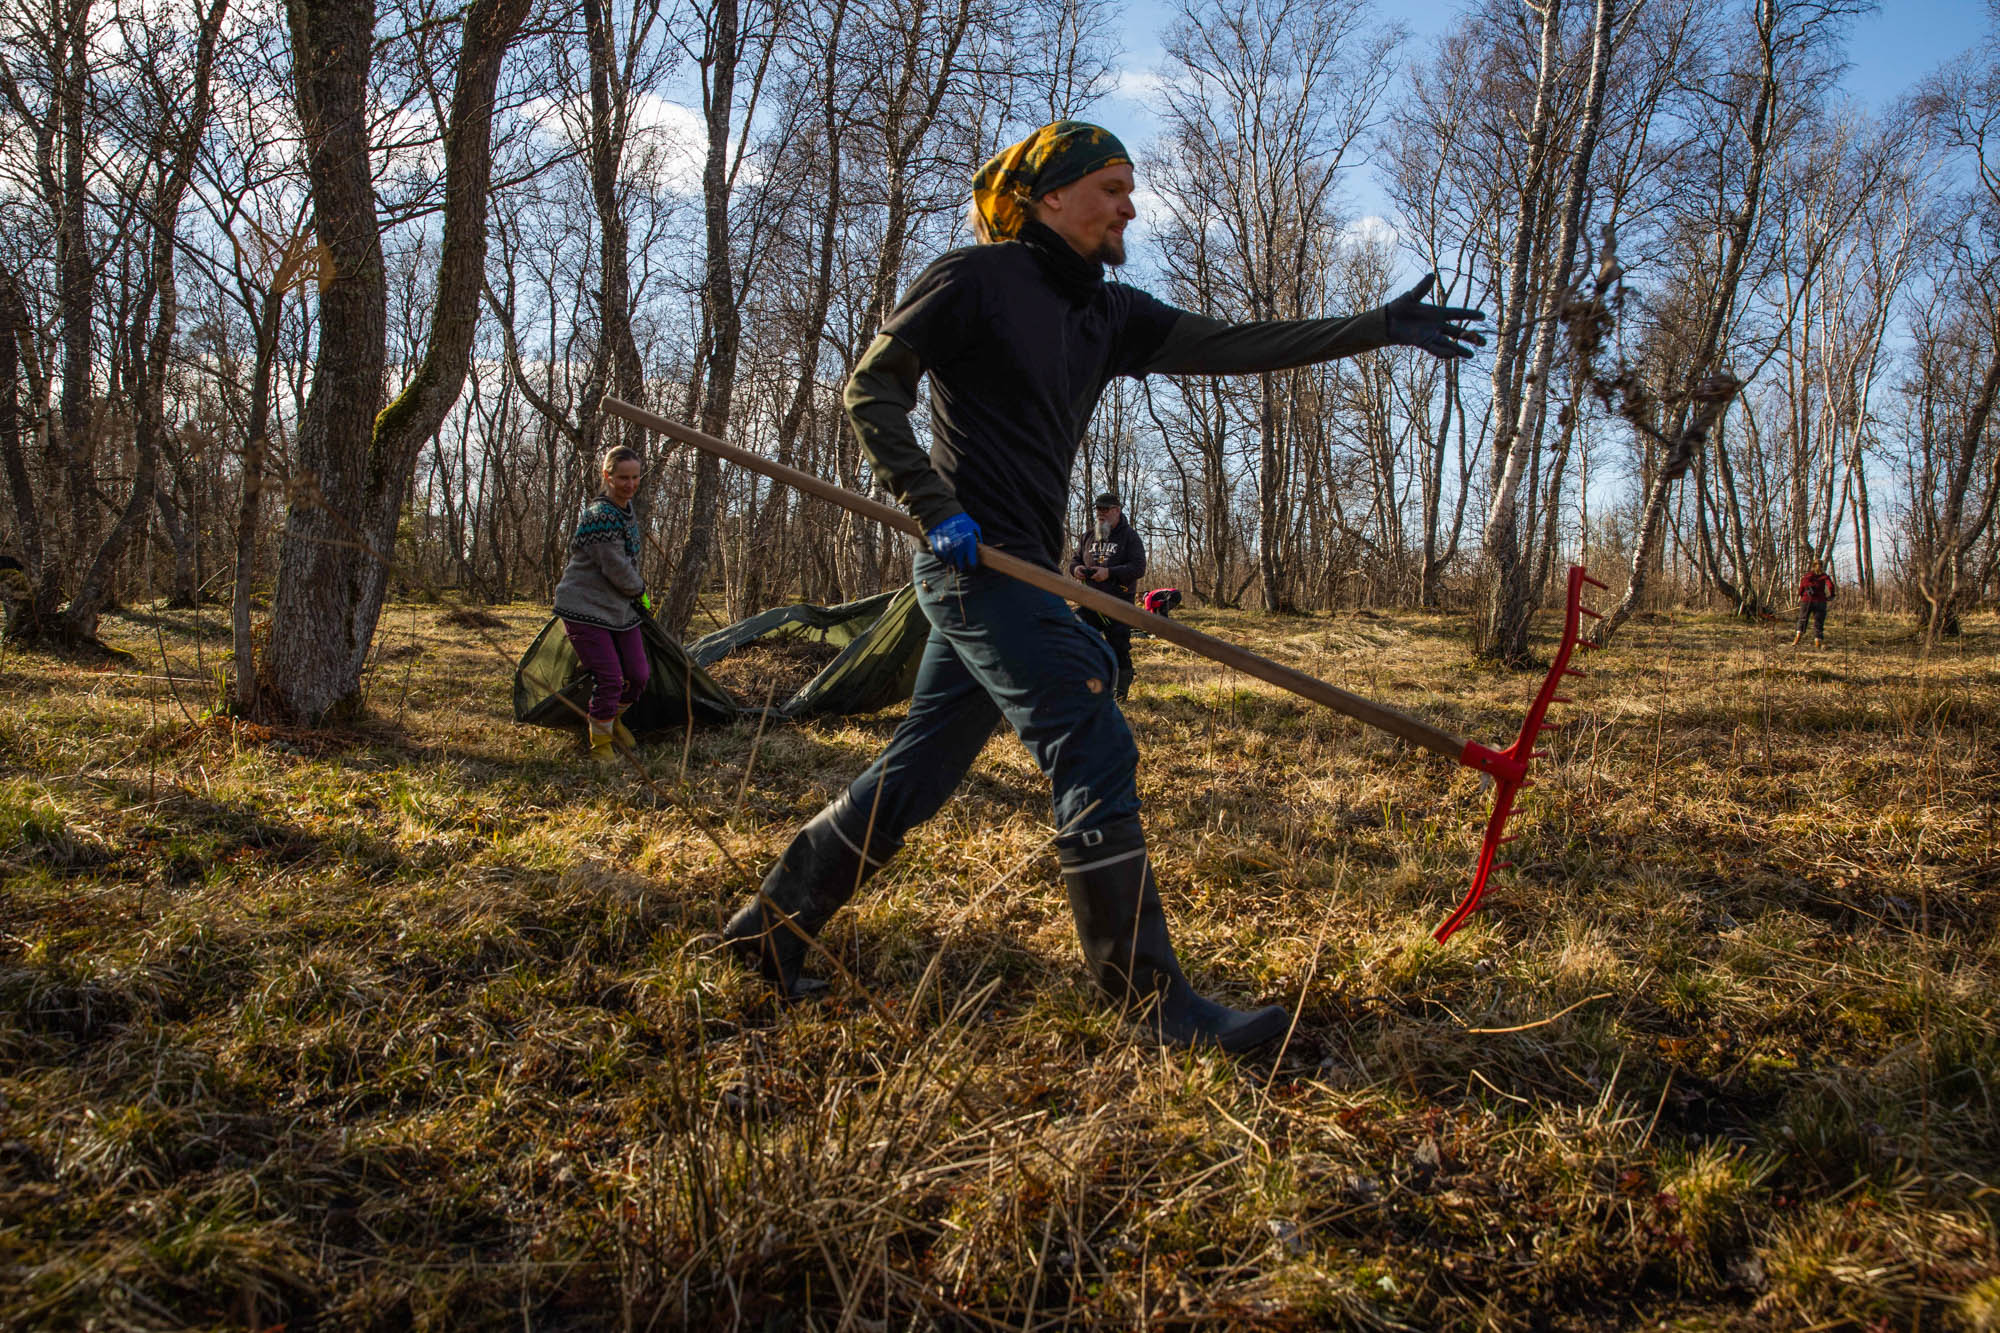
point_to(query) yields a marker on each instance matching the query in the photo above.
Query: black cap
(1108, 500)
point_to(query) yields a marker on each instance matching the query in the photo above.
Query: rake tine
(1509, 768)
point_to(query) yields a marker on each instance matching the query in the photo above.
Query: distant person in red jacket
(1815, 591)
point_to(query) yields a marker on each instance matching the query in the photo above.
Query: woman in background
(600, 601)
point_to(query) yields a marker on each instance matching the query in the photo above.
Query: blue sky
(1889, 51)
(1907, 39)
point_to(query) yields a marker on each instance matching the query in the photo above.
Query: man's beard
(1111, 250)
(1103, 528)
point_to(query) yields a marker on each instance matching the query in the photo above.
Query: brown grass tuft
(422, 1023)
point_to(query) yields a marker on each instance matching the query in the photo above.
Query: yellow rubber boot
(601, 751)
(621, 734)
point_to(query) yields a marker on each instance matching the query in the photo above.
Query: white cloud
(668, 143)
(1139, 85)
(1148, 203)
(680, 139)
(1372, 230)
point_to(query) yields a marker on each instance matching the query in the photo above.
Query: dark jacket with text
(1122, 553)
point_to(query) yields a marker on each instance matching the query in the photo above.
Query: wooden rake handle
(1508, 767)
(1377, 715)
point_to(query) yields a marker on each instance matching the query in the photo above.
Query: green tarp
(551, 688)
(835, 625)
(881, 639)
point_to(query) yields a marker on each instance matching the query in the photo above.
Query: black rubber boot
(1124, 685)
(815, 877)
(1124, 935)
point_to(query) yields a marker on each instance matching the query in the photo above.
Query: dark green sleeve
(1198, 345)
(880, 396)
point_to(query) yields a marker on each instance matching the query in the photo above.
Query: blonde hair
(620, 453)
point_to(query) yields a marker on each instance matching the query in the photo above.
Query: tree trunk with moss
(354, 464)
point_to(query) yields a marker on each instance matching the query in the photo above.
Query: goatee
(1111, 252)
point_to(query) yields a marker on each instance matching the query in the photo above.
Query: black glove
(1414, 322)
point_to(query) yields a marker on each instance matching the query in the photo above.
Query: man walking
(1111, 559)
(1020, 335)
(1815, 591)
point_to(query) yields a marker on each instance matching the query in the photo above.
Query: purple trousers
(616, 661)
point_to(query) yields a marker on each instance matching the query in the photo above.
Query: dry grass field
(419, 1024)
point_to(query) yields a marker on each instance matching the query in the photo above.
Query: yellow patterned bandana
(1055, 155)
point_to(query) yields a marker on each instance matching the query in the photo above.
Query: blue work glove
(956, 542)
(1437, 329)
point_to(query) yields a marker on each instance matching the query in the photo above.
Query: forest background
(292, 293)
(409, 1020)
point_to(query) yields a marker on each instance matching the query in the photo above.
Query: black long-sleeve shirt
(1020, 339)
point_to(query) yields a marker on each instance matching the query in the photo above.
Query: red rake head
(1509, 767)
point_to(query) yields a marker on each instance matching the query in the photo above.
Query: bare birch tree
(1956, 488)
(1756, 103)
(1521, 370)
(1266, 105)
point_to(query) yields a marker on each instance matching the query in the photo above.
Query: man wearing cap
(1111, 559)
(1020, 334)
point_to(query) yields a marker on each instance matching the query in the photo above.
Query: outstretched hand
(1437, 329)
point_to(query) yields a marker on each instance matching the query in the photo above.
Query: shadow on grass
(209, 624)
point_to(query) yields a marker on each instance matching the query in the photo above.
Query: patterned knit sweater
(602, 579)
